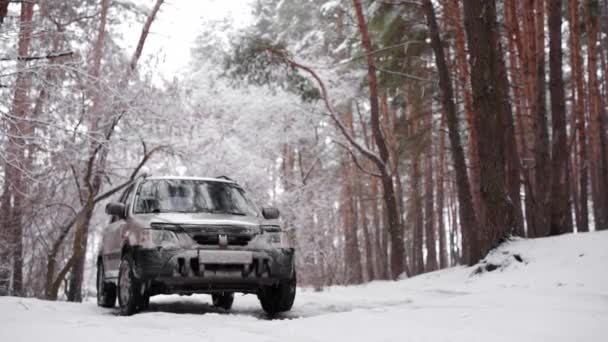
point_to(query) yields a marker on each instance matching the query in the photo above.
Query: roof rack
(225, 177)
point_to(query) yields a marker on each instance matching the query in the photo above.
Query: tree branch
(333, 114)
(359, 166)
(52, 55)
(131, 178)
(144, 34)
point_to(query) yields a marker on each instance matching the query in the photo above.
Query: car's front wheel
(223, 300)
(106, 292)
(129, 287)
(278, 298)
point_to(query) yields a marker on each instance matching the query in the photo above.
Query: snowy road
(559, 292)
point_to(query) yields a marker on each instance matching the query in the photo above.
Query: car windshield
(191, 196)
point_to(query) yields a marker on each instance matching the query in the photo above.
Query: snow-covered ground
(557, 292)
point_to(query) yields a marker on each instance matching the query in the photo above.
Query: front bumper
(184, 271)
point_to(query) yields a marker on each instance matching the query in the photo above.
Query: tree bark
(582, 218)
(440, 203)
(429, 213)
(560, 209)
(468, 221)
(542, 157)
(484, 59)
(455, 20)
(513, 165)
(417, 261)
(15, 188)
(597, 132)
(348, 212)
(362, 195)
(381, 256)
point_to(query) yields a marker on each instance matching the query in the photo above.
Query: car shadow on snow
(196, 306)
(200, 308)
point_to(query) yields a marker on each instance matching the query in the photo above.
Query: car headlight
(154, 237)
(273, 234)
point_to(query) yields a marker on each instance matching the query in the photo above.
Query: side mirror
(116, 209)
(270, 213)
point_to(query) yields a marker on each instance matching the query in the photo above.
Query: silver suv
(189, 235)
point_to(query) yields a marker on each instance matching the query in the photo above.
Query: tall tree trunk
(468, 221)
(484, 59)
(597, 132)
(417, 219)
(560, 196)
(397, 255)
(526, 10)
(513, 165)
(388, 118)
(381, 257)
(363, 200)
(15, 188)
(582, 219)
(429, 213)
(455, 20)
(348, 212)
(440, 195)
(542, 158)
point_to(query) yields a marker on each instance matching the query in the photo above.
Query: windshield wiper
(236, 213)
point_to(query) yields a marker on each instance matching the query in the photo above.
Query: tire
(129, 287)
(106, 292)
(223, 300)
(278, 298)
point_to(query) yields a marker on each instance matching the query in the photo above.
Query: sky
(177, 26)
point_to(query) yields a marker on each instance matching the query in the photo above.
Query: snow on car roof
(208, 179)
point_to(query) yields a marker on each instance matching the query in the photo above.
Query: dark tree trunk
(381, 257)
(560, 196)
(15, 163)
(463, 73)
(417, 261)
(429, 213)
(468, 222)
(369, 260)
(440, 183)
(597, 132)
(513, 180)
(484, 59)
(542, 157)
(582, 217)
(3, 10)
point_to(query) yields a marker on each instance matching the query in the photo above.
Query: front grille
(233, 240)
(210, 235)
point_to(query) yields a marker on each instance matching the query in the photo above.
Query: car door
(113, 238)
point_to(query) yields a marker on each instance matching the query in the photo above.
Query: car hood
(198, 219)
